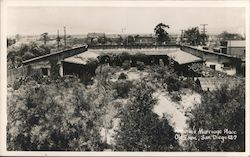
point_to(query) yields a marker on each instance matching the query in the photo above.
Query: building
(44, 63)
(218, 61)
(236, 48)
(146, 39)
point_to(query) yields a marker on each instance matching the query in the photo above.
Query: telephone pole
(58, 39)
(203, 32)
(203, 29)
(182, 34)
(64, 28)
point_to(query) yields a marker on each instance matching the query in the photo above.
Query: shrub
(140, 65)
(140, 129)
(28, 55)
(173, 83)
(122, 76)
(123, 87)
(52, 117)
(126, 65)
(220, 109)
(176, 97)
(17, 83)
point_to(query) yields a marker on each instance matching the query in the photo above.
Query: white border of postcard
(77, 3)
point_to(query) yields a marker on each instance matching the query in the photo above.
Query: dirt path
(176, 111)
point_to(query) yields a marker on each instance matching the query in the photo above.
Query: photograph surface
(126, 79)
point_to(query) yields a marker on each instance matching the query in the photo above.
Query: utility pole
(58, 39)
(203, 30)
(182, 34)
(64, 28)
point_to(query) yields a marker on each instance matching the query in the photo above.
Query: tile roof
(183, 57)
(82, 58)
(178, 55)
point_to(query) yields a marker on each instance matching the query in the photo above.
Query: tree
(193, 36)
(17, 37)
(49, 117)
(230, 36)
(203, 38)
(10, 41)
(221, 109)
(161, 33)
(130, 40)
(102, 39)
(140, 129)
(45, 37)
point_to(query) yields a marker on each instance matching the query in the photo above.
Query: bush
(122, 76)
(28, 55)
(220, 109)
(176, 97)
(52, 117)
(36, 75)
(173, 83)
(123, 87)
(140, 128)
(126, 65)
(140, 65)
(17, 83)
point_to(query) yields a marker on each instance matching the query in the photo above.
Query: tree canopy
(54, 116)
(221, 109)
(194, 37)
(140, 128)
(230, 36)
(161, 33)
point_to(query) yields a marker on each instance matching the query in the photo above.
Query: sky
(116, 20)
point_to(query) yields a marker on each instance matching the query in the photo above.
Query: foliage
(130, 40)
(173, 83)
(230, 36)
(10, 41)
(45, 37)
(126, 65)
(221, 109)
(161, 33)
(102, 39)
(140, 65)
(123, 87)
(27, 55)
(54, 70)
(51, 117)
(17, 53)
(122, 76)
(193, 36)
(140, 129)
(176, 96)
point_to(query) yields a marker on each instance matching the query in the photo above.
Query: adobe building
(236, 48)
(44, 63)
